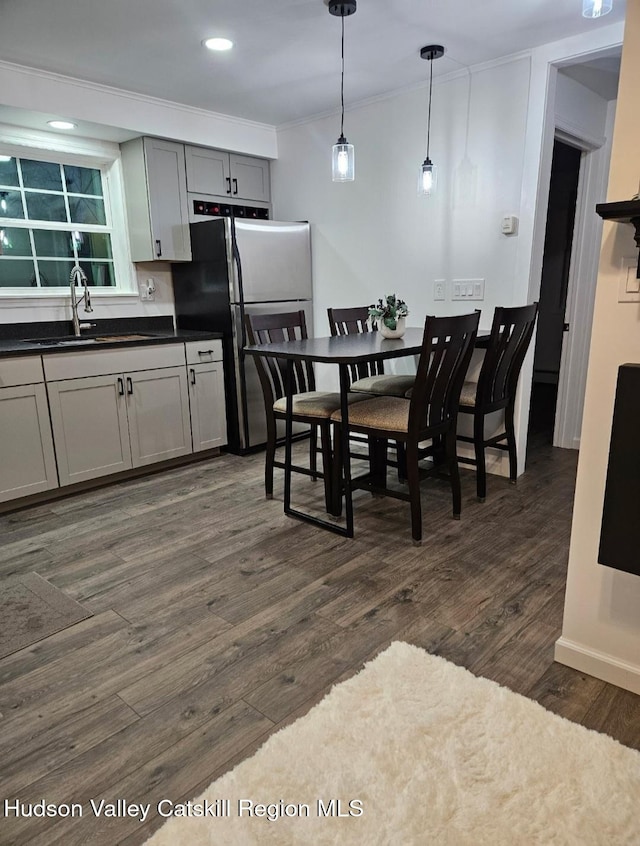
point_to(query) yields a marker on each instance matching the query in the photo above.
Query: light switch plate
(468, 289)
(629, 284)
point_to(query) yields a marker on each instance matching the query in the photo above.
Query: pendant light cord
(342, 84)
(429, 115)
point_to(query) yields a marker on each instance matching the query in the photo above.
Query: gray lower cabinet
(72, 417)
(105, 424)
(206, 395)
(90, 427)
(27, 459)
(112, 410)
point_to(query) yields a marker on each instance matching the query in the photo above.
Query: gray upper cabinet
(221, 174)
(156, 198)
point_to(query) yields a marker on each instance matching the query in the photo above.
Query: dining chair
(367, 377)
(511, 333)
(310, 407)
(429, 414)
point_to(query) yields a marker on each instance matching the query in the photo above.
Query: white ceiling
(286, 62)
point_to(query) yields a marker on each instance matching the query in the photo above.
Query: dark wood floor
(217, 620)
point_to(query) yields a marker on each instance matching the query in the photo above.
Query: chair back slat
(510, 337)
(353, 321)
(446, 352)
(276, 328)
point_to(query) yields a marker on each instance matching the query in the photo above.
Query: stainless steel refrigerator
(242, 267)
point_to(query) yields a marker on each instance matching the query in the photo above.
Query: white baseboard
(598, 664)
(497, 461)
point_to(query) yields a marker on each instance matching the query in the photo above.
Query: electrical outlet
(468, 289)
(439, 289)
(148, 289)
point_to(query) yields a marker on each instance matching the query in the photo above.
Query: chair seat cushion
(389, 413)
(386, 385)
(316, 403)
(468, 395)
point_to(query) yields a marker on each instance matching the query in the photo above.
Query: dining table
(344, 351)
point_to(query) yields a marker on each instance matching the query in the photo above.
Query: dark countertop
(11, 347)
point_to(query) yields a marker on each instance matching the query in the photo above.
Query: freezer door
(251, 413)
(275, 260)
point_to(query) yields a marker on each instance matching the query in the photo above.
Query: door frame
(583, 275)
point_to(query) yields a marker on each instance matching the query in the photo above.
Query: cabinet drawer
(21, 371)
(83, 363)
(200, 352)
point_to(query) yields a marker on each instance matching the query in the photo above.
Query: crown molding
(133, 96)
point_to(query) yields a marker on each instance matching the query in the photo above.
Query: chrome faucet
(78, 275)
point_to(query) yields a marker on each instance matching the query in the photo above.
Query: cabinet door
(90, 432)
(168, 207)
(27, 460)
(207, 171)
(208, 416)
(249, 178)
(158, 412)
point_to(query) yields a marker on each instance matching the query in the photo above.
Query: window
(52, 216)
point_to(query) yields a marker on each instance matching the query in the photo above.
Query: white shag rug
(431, 755)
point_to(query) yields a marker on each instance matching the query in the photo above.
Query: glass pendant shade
(343, 161)
(427, 178)
(596, 8)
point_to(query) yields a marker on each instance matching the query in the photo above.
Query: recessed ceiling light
(61, 124)
(218, 43)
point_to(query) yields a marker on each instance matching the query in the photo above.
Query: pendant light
(343, 156)
(596, 8)
(428, 174)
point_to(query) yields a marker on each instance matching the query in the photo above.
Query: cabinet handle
(193, 375)
(235, 186)
(228, 178)
(205, 352)
(120, 386)
(158, 248)
(129, 385)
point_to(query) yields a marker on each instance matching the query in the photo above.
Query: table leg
(346, 458)
(288, 436)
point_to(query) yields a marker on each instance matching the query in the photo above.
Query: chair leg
(313, 452)
(378, 461)
(481, 467)
(270, 457)
(401, 458)
(454, 473)
(336, 473)
(413, 480)
(327, 466)
(511, 444)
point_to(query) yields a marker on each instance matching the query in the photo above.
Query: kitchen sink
(68, 342)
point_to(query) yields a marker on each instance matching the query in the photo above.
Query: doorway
(556, 264)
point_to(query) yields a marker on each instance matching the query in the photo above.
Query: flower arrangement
(388, 311)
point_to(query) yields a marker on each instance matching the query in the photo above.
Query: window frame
(104, 156)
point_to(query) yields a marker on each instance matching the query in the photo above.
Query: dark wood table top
(349, 349)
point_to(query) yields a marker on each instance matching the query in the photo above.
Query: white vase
(398, 332)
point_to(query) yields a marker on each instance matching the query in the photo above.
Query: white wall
(601, 629)
(375, 235)
(580, 111)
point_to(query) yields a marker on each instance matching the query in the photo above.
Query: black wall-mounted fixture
(627, 211)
